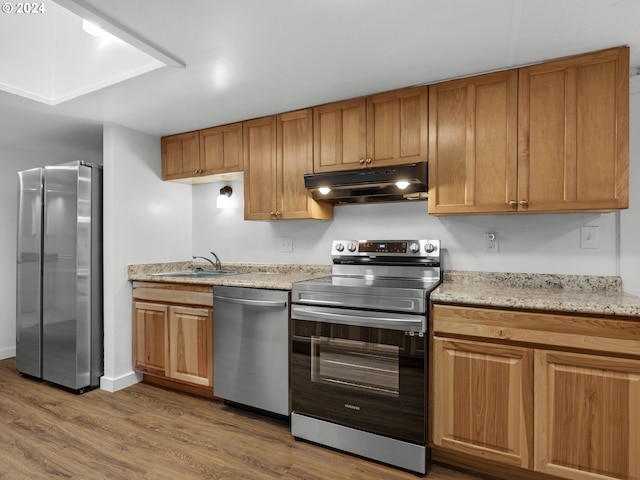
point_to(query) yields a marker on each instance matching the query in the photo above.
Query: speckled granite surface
(560, 293)
(586, 294)
(253, 275)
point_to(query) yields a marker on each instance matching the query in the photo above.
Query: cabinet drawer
(568, 331)
(172, 293)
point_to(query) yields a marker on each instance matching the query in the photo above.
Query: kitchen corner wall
(146, 220)
(630, 219)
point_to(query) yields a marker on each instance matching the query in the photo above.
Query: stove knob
(339, 247)
(351, 247)
(414, 248)
(429, 248)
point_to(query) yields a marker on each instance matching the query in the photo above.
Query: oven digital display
(382, 247)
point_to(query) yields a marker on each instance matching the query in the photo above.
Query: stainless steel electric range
(359, 351)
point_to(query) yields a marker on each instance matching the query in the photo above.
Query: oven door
(370, 378)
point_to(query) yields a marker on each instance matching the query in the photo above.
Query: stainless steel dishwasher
(251, 347)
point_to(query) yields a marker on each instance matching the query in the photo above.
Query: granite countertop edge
(577, 294)
(252, 275)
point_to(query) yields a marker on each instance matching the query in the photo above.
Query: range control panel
(391, 248)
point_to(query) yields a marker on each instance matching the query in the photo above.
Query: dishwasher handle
(250, 302)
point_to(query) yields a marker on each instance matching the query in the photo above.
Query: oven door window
(371, 379)
(355, 365)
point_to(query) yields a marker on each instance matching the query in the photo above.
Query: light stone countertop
(254, 275)
(580, 294)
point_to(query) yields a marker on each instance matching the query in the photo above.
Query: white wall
(146, 220)
(527, 243)
(11, 162)
(630, 219)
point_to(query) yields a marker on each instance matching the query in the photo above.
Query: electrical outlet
(589, 236)
(491, 243)
(286, 244)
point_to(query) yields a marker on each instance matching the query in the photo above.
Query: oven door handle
(360, 318)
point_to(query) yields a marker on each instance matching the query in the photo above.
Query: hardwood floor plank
(148, 432)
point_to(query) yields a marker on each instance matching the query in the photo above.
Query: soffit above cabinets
(47, 56)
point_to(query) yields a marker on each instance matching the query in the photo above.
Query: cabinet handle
(524, 203)
(368, 161)
(361, 161)
(513, 204)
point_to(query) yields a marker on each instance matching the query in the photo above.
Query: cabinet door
(191, 345)
(221, 149)
(150, 345)
(573, 146)
(260, 184)
(340, 135)
(397, 127)
(587, 410)
(483, 400)
(473, 144)
(180, 156)
(294, 159)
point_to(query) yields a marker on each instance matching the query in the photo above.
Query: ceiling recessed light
(93, 29)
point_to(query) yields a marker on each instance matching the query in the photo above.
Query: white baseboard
(115, 384)
(8, 352)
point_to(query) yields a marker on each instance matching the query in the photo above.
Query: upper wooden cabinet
(472, 144)
(340, 135)
(385, 129)
(180, 155)
(195, 156)
(221, 149)
(557, 140)
(277, 153)
(573, 133)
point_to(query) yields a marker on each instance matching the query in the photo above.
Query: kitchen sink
(197, 273)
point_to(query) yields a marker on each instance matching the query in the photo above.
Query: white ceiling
(248, 58)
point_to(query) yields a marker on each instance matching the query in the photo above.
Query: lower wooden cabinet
(150, 338)
(548, 393)
(173, 335)
(587, 411)
(483, 400)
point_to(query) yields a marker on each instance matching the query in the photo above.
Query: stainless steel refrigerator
(59, 328)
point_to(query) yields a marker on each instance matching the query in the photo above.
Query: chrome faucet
(208, 260)
(218, 265)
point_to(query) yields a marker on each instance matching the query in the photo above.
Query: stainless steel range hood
(365, 185)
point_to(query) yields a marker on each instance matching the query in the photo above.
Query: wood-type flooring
(148, 432)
